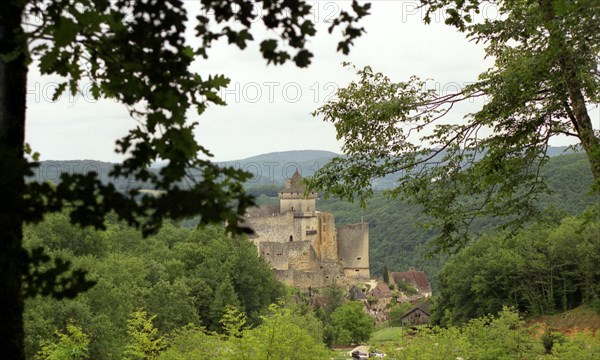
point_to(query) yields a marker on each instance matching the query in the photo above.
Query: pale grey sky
(269, 107)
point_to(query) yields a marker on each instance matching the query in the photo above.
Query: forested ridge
(549, 267)
(395, 237)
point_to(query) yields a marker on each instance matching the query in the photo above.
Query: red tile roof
(381, 291)
(418, 279)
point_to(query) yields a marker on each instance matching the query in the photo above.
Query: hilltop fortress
(303, 245)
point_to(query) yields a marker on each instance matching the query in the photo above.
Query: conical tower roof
(295, 184)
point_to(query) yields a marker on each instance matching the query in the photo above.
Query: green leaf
(65, 32)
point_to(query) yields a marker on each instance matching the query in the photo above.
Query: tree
(224, 297)
(351, 324)
(283, 334)
(544, 77)
(71, 346)
(386, 274)
(144, 344)
(134, 53)
(396, 313)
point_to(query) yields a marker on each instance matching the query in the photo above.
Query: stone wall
(353, 249)
(327, 246)
(264, 210)
(357, 273)
(295, 202)
(325, 274)
(301, 255)
(305, 224)
(276, 228)
(296, 255)
(275, 253)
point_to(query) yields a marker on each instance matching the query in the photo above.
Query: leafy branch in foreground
(136, 53)
(488, 164)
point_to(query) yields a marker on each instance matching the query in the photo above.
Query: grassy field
(387, 334)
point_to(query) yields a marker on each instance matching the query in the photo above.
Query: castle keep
(303, 245)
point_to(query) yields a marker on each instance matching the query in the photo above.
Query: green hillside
(398, 241)
(396, 238)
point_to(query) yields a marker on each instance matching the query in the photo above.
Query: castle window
(291, 238)
(358, 258)
(356, 270)
(326, 277)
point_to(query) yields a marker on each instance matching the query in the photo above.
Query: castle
(303, 245)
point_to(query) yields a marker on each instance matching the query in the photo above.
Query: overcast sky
(269, 107)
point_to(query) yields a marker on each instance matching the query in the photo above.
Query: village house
(418, 315)
(357, 294)
(380, 296)
(413, 278)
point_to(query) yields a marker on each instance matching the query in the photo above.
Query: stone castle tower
(303, 245)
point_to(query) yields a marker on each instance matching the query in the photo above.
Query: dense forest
(549, 267)
(181, 276)
(191, 293)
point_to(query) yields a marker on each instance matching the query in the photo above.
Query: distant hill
(275, 167)
(293, 156)
(52, 169)
(271, 168)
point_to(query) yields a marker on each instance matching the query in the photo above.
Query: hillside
(271, 168)
(291, 156)
(396, 239)
(582, 318)
(52, 169)
(274, 168)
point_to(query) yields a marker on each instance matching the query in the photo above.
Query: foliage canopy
(133, 52)
(544, 78)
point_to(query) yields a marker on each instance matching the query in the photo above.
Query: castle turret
(353, 249)
(292, 197)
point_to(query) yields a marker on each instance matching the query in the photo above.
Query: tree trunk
(566, 61)
(13, 83)
(589, 141)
